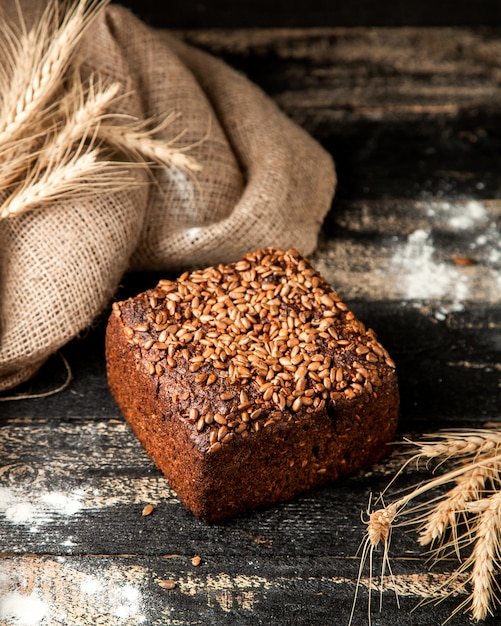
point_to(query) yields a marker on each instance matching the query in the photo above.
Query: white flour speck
(19, 513)
(90, 586)
(420, 277)
(130, 593)
(68, 543)
(468, 215)
(22, 610)
(458, 215)
(193, 233)
(67, 505)
(183, 187)
(37, 508)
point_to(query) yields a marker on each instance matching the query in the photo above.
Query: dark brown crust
(283, 457)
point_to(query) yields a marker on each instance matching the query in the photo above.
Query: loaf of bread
(250, 383)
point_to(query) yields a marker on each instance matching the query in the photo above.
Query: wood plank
(80, 488)
(412, 118)
(443, 251)
(61, 481)
(222, 590)
(348, 73)
(310, 13)
(406, 113)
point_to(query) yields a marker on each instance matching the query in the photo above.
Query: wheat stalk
(477, 456)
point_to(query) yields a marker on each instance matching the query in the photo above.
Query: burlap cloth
(264, 181)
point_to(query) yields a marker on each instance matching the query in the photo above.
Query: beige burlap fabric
(264, 181)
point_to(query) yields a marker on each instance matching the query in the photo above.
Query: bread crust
(225, 443)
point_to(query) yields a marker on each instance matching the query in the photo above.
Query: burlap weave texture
(264, 181)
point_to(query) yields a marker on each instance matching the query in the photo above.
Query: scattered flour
(63, 504)
(458, 215)
(129, 598)
(22, 610)
(184, 189)
(90, 585)
(43, 592)
(17, 513)
(192, 234)
(35, 505)
(420, 277)
(39, 508)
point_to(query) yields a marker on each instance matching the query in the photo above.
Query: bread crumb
(196, 560)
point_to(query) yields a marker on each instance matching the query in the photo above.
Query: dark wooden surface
(311, 13)
(413, 118)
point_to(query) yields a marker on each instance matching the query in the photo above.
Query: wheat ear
(484, 559)
(447, 513)
(78, 116)
(140, 143)
(85, 111)
(382, 521)
(379, 529)
(456, 443)
(41, 59)
(81, 176)
(52, 125)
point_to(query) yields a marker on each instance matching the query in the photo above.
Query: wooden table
(413, 119)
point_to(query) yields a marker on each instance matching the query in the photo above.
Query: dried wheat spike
(65, 180)
(50, 121)
(484, 560)
(380, 524)
(142, 144)
(81, 113)
(475, 472)
(38, 61)
(455, 443)
(446, 513)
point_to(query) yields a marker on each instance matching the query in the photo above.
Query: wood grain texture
(369, 73)
(310, 13)
(412, 243)
(222, 590)
(49, 493)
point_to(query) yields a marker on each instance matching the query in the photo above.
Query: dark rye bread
(249, 383)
